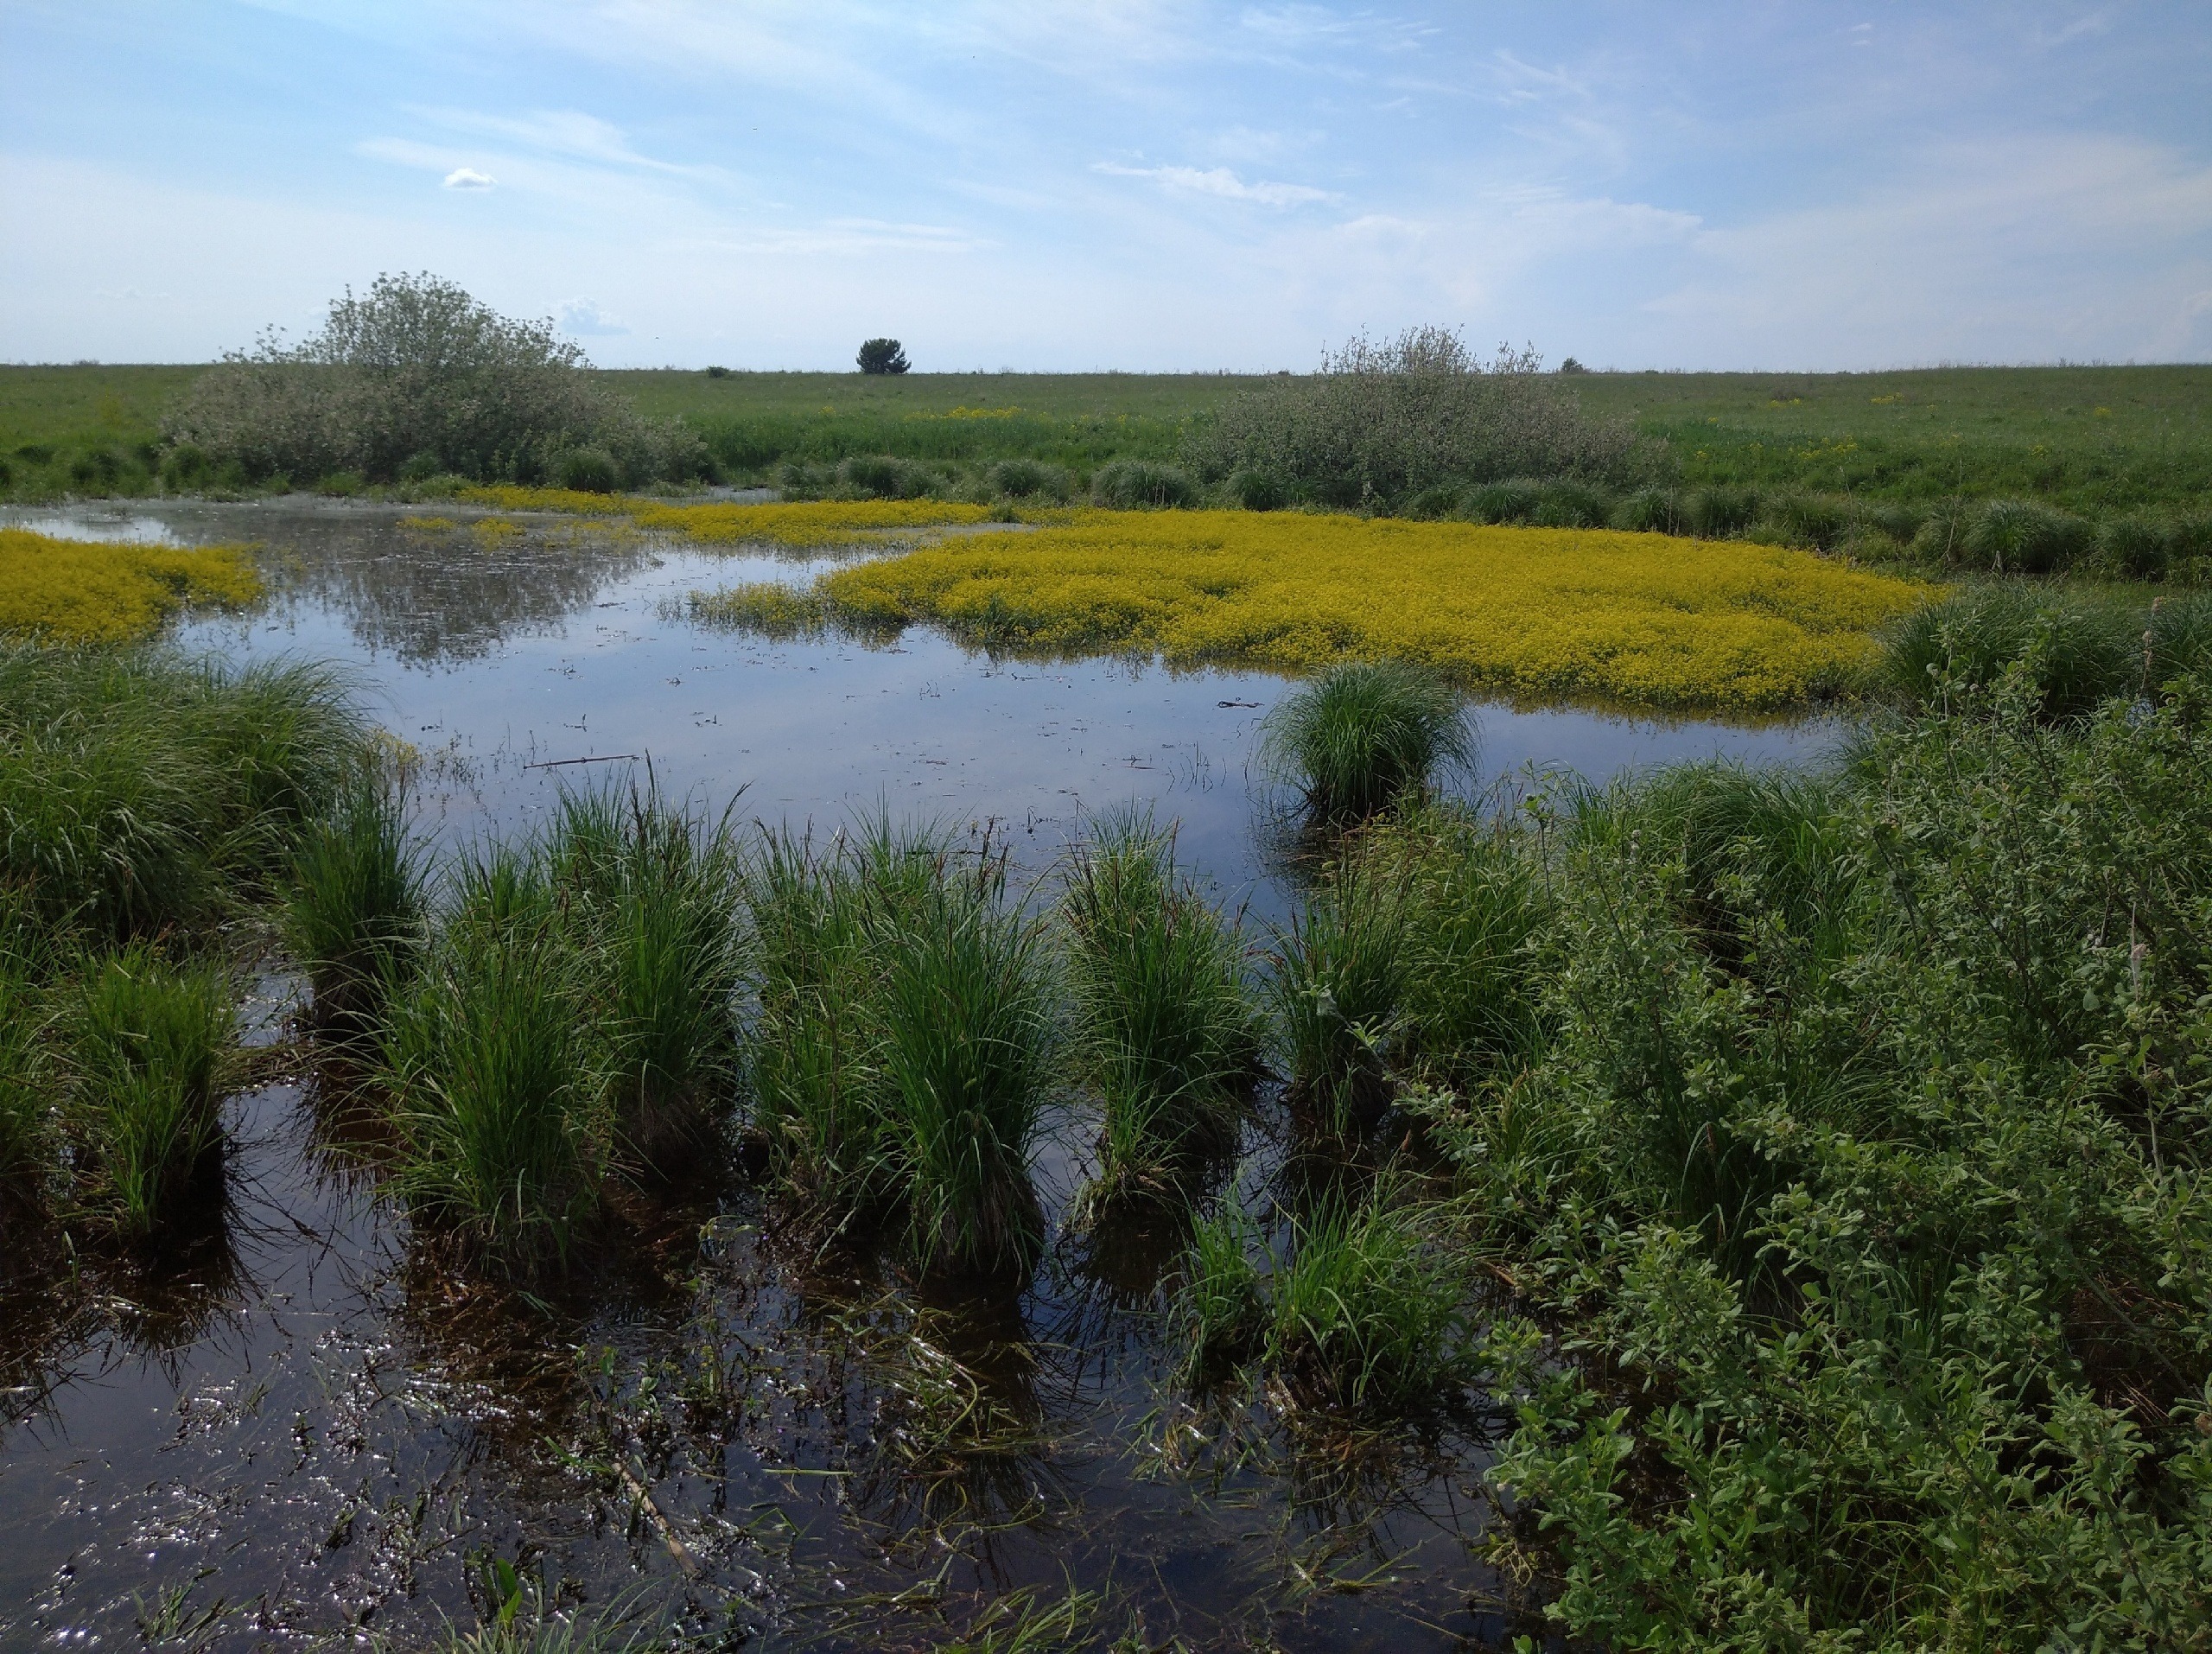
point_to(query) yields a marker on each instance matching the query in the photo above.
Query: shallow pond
(289, 1429)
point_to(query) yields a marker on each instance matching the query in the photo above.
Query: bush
(1141, 485)
(1383, 423)
(587, 470)
(2019, 537)
(1252, 490)
(1358, 736)
(416, 368)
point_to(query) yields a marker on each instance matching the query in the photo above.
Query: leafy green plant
(587, 470)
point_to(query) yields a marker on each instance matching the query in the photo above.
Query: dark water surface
(289, 1430)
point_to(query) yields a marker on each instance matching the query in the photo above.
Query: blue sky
(1076, 184)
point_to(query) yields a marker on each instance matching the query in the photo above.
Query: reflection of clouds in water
(441, 596)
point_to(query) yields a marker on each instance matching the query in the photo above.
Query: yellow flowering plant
(80, 591)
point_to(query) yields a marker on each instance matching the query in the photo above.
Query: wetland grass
(649, 896)
(140, 790)
(900, 1054)
(1166, 1030)
(148, 1039)
(2068, 647)
(1363, 735)
(1370, 1311)
(1342, 973)
(494, 1089)
(353, 912)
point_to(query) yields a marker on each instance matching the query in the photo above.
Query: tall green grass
(1363, 734)
(148, 1040)
(1368, 1311)
(139, 789)
(2069, 648)
(354, 911)
(1165, 1027)
(649, 895)
(495, 1092)
(1342, 969)
(900, 1049)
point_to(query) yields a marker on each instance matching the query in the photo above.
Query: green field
(2095, 440)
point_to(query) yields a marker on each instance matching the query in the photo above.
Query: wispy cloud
(1221, 181)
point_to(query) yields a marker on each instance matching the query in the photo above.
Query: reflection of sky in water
(493, 653)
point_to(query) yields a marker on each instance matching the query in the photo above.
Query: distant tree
(883, 356)
(1570, 366)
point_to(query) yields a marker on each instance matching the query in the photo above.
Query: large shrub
(417, 371)
(1381, 422)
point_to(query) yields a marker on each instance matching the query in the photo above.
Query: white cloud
(1220, 181)
(469, 178)
(585, 318)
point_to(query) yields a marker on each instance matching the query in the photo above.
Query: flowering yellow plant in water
(814, 522)
(78, 591)
(1648, 618)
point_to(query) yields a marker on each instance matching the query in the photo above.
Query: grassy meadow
(2092, 440)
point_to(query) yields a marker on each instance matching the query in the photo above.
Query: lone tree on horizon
(883, 356)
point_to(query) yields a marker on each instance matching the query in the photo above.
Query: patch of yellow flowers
(78, 591)
(1646, 617)
(811, 523)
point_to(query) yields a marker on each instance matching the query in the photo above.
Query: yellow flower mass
(1647, 617)
(817, 522)
(76, 591)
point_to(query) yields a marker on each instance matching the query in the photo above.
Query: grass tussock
(2070, 649)
(148, 1040)
(139, 789)
(901, 1048)
(493, 1088)
(573, 1019)
(1368, 1312)
(1364, 735)
(83, 592)
(353, 910)
(1166, 1032)
(1556, 611)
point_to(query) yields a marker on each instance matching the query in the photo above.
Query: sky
(1145, 185)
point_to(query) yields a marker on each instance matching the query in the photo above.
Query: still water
(288, 1431)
